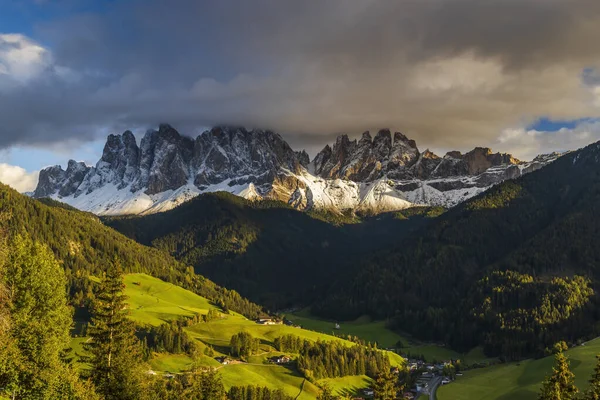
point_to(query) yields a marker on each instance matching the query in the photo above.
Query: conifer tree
(9, 356)
(326, 393)
(35, 326)
(385, 386)
(115, 353)
(593, 393)
(560, 385)
(204, 385)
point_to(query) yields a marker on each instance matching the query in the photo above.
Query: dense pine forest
(259, 248)
(515, 268)
(320, 360)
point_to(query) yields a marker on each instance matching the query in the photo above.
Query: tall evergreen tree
(593, 393)
(35, 325)
(385, 386)
(204, 385)
(115, 354)
(9, 356)
(560, 385)
(326, 393)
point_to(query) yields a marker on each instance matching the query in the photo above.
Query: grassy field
(364, 328)
(376, 331)
(518, 381)
(152, 301)
(348, 385)
(271, 376)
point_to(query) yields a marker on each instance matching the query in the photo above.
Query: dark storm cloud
(451, 73)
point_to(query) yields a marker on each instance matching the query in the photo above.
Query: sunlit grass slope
(519, 381)
(152, 301)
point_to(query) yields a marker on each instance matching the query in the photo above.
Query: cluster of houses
(280, 360)
(423, 373)
(268, 321)
(369, 393)
(223, 360)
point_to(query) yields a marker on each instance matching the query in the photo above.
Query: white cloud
(21, 58)
(18, 178)
(526, 144)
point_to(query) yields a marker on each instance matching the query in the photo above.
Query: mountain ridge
(370, 175)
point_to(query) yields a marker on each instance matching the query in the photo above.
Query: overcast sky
(520, 76)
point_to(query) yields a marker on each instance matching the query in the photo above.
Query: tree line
(333, 359)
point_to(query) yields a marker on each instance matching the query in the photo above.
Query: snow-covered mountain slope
(369, 175)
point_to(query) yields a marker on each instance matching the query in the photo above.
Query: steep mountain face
(420, 178)
(168, 168)
(370, 175)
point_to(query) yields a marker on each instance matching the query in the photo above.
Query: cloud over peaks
(450, 73)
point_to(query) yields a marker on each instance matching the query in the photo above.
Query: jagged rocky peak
(74, 176)
(424, 165)
(367, 160)
(399, 138)
(370, 159)
(253, 156)
(121, 158)
(454, 154)
(404, 152)
(382, 144)
(303, 158)
(481, 158)
(329, 161)
(56, 180)
(49, 180)
(321, 158)
(165, 156)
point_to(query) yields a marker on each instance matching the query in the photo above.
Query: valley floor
(154, 302)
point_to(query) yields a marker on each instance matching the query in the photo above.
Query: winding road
(433, 385)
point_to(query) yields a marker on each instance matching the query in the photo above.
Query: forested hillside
(268, 251)
(513, 269)
(85, 247)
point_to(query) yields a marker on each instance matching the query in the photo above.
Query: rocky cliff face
(369, 160)
(372, 174)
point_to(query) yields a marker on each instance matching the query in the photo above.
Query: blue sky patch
(545, 124)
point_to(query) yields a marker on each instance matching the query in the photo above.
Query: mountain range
(371, 175)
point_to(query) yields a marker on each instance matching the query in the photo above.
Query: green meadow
(348, 385)
(154, 302)
(519, 381)
(377, 332)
